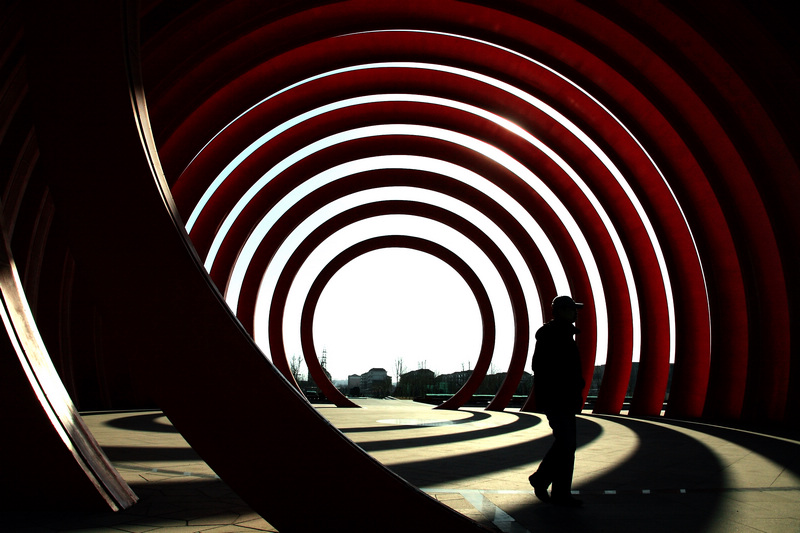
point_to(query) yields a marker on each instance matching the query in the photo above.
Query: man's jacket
(557, 376)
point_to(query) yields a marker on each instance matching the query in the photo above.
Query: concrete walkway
(633, 474)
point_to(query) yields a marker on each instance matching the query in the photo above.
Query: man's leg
(561, 457)
(552, 464)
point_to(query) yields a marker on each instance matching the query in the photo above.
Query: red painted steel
(718, 118)
(201, 366)
(657, 94)
(432, 148)
(672, 118)
(401, 241)
(617, 311)
(660, 375)
(292, 218)
(65, 469)
(412, 208)
(740, 153)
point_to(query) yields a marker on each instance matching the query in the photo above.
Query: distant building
(353, 380)
(450, 383)
(376, 383)
(492, 383)
(415, 383)
(354, 385)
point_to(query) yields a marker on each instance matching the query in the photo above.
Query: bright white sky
(397, 303)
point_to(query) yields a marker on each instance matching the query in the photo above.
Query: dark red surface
(201, 367)
(706, 88)
(663, 114)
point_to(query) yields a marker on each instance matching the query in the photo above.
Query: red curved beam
(621, 382)
(699, 116)
(440, 149)
(519, 349)
(663, 363)
(177, 354)
(433, 148)
(400, 241)
(304, 169)
(729, 155)
(665, 107)
(741, 153)
(382, 178)
(76, 474)
(594, 228)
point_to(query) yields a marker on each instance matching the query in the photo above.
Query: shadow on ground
(671, 482)
(467, 465)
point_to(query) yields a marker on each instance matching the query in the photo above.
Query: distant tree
(295, 364)
(399, 369)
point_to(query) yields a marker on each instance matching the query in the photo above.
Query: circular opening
(397, 304)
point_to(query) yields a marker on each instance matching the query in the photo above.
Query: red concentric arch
(718, 117)
(695, 306)
(414, 243)
(407, 201)
(407, 166)
(657, 343)
(521, 334)
(623, 390)
(235, 212)
(355, 217)
(356, 224)
(410, 162)
(327, 194)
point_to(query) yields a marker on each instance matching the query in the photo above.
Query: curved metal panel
(201, 366)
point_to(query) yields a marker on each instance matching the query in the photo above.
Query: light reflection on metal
(53, 403)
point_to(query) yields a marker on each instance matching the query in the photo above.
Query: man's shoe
(539, 487)
(566, 501)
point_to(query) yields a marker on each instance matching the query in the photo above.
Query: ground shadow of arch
(448, 469)
(770, 444)
(665, 459)
(124, 454)
(521, 423)
(473, 417)
(143, 422)
(664, 462)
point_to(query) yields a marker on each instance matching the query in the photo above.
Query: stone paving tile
(477, 463)
(253, 522)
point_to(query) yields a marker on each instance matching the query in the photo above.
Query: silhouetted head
(565, 308)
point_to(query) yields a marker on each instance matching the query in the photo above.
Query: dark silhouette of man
(558, 389)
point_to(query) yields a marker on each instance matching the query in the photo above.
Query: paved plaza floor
(633, 474)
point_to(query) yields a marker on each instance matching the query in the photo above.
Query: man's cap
(565, 301)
